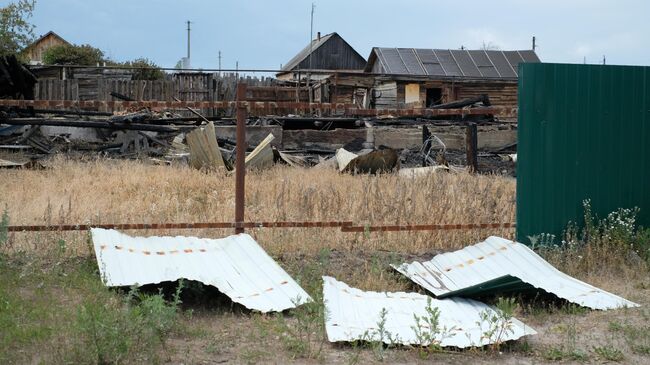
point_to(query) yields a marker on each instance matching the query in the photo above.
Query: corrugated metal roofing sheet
(445, 63)
(236, 265)
(500, 265)
(354, 314)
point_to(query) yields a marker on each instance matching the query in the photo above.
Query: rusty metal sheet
(498, 265)
(354, 314)
(236, 265)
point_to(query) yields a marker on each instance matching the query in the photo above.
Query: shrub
(73, 55)
(147, 69)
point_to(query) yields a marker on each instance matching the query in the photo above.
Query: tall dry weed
(117, 191)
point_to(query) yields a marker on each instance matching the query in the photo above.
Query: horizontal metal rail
(345, 226)
(347, 109)
(426, 227)
(126, 226)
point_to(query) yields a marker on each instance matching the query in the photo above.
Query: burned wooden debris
(297, 140)
(16, 80)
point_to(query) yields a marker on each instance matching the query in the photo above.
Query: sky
(263, 34)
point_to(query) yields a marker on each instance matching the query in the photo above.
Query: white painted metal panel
(353, 314)
(236, 265)
(343, 158)
(450, 273)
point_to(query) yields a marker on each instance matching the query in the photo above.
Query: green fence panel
(583, 134)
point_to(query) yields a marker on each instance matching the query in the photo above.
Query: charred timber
(62, 112)
(120, 96)
(484, 99)
(89, 124)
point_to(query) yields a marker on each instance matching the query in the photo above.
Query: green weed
(64, 303)
(499, 322)
(4, 227)
(428, 331)
(304, 335)
(560, 353)
(609, 353)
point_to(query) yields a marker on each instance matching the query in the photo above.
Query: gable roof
(312, 47)
(50, 33)
(449, 63)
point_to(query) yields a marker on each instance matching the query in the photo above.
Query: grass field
(54, 309)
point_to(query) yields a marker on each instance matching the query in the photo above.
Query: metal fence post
(240, 167)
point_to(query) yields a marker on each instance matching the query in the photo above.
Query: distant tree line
(16, 33)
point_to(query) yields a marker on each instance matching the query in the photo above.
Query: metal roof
(236, 265)
(354, 314)
(500, 265)
(450, 63)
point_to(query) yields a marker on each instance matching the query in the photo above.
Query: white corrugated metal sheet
(236, 265)
(473, 268)
(353, 314)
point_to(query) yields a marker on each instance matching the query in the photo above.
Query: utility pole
(534, 44)
(219, 63)
(188, 40)
(311, 49)
(604, 60)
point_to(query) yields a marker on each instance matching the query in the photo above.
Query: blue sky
(265, 33)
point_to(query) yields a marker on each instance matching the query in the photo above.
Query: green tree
(73, 55)
(147, 69)
(15, 31)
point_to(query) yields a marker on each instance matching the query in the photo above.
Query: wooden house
(35, 50)
(409, 77)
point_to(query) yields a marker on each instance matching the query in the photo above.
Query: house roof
(302, 55)
(50, 33)
(312, 47)
(450, 63)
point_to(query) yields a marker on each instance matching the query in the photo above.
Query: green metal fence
(583, 134)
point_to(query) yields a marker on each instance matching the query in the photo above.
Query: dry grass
(110, 191)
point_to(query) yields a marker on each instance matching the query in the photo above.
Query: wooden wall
(392, 94)
(35, 52)
(501, 94)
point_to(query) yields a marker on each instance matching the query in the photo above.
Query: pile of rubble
(166, 137)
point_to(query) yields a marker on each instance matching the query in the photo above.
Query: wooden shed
(34, 51)
(410, 77)
(329, 52)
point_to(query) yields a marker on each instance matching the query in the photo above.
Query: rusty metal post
(240, 167)
(471, 147)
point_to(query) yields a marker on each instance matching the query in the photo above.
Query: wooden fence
(182, 86)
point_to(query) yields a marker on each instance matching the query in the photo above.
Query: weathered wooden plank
(254, 134)
(326, 140)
